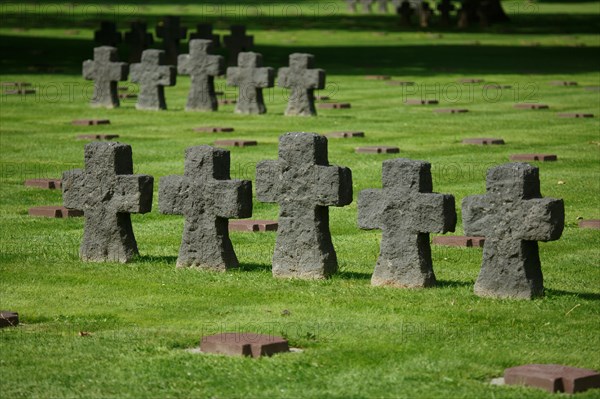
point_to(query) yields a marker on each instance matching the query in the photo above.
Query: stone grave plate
(252, 225)
(90, 122)
(533, 157)
(400, 83)
(334, 105)
(589, 224)
(48, 184)
(213, 129)
(414, 101)
(483, 141)
(553, 377)
(345, 135)
(470, 80)
(575, 115)
(450, 110)
(97, 136)
(236, 143)
(531, 106)
(459, 241)
(563, 83)
(377, 150)
(378, 77)
(54, 212)
(243, 344)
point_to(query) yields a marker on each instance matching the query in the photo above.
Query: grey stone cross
(251, 78)
(302, 79)
(406, 210)
(107, 192)
(170, 31)
(152, 76)
(105, 71)
(207, 198)
(512, 216)
(205, 31)
(202, 67)
(237, 42)
(304, 185)
(138, 40)
(382, 6)
(367, 4)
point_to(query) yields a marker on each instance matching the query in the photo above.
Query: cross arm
(544, 221)
(89, 69)
(167, 75)
(173, 194)
(119, 71)
(434, 213)
(315, 78)
(232, 198)
(264, 77)
(133, 193)
(283, 77)
(333, 185)
(267, 181)
(216, 65)
(233, 76)
(184, 64)
(370, 209)
(73, 182)
(476, 216)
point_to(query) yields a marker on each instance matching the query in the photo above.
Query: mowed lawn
(139, 319)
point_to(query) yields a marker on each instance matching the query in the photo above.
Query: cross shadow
(254, 267)
(352, 275)
(453, 284)
(582, 295)
(159, 259)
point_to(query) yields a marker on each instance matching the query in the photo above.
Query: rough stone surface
(107, 35)
(253, 225)
(302, 79)
(202, 67)
(97, 136)
(553, 377)
(251, 77)
(108, 192)
(54, 212)
(237, 42)
(236, 143)
(590, 224)
(483, 141)
(413, 101)
(8, 319)
(451, 110)
(459, 241)
(334, 105)
(512, 216)
(213, 129)
(575, 115)
(533, 157)
(377, 150)
(105, 71)
(152, 76)
(171, 32)
(205, 31)
(563, 83)
(138, 40)
(345, 135)
(378, 77)
(406, 210)
(207, 198)
(90, 122)
(531, 106)
(304, 185)
(48, 184)
(243, 344)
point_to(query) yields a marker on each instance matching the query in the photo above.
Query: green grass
(357, 340)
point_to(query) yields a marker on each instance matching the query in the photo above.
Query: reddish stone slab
(48, 184)
(592, 88)
(225, 101)
(243, 344)
(236, 143)
(252, 225)
(54, 212)
(459, 241)
(495, 86)
(334, 105)
(97, 136)
(574, 115)
(378, 77)
(562, 83)
(322, 98)
(213, 129)
(19, 92)
(8, 318)
(345, 135)
(533, 157)
(414, 101)
(451, 110)
(590, 224)
(377, 150)
(553, 377)
(90, 122)
(483, 141)
(470, 80)
(16, 84)
(531, 106)
(127, 95)
(400, 83)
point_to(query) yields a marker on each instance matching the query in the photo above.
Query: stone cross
(105, 71)
(205, 31)
(138, 40)
(382, 6)
(152, 76)
(445, 7)
(202, 67)
(251, 78)
(302, 79)
(367, 4)
(406, 210)
(107, 35)
(405, 11)
(170, 31)
(351, 4)
(304, 185)
(512, 216)
(237, 42)
(107, 192)
(207, 198)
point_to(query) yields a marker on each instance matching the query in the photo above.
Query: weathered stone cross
(407, 211)
(304, 185)
(512, 216)
(105, 71)
(107, 192)
(251, 79)
(207, 198)
(152, 76)
(138, 40)
(107, 35)
(170, 31)
(205, 31)
(367, 4)
(202, 67)
(302, 79)
(237, 42)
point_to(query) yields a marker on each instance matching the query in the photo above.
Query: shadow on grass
(549, 292)
(254, 267)
(453, 284)
(156, 259)
(352, 275)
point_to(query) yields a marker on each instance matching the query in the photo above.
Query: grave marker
(302, 79)
(97, 136)
(205, 31)
(445, 7)
(107, 192)
(381, 149)
(470, 80)
(202, 67)
(213, 129)
(589, 224)
(562, 83)
(366, 6)
(105, 71)
(378, 77)
(531, 106)
(171, 32)
(54, 212)
(304, 185)
(451, 110)
(406, 210)
(513, 217)
(46, 184)
(413, 101)
(243, 344)
(90, 122)
(152, 75)
(251, 77)
(207, 197)
(533, 157)
(335, 105)
(574, 115)
(459, 241)
(237, 42)
(483, 141)
(107, 35)
(253, 225)
(8, 319)
(138, 40)
(553, 377)
(236, 143)
(345, 135)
